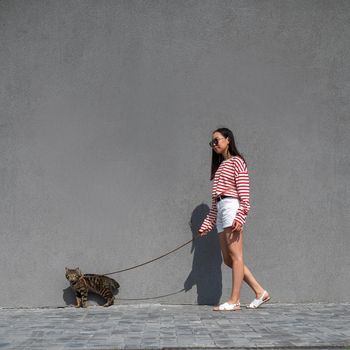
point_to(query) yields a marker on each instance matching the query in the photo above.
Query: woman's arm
(243, 189)
(210, 219)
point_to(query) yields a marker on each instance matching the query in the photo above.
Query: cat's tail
(114, 283)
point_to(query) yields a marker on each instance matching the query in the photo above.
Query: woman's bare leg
(248, 277)
(253, 283)
(234, 243)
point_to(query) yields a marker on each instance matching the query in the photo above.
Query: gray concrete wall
(107, 108)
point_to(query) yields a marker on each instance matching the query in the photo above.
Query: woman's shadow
(206, 265)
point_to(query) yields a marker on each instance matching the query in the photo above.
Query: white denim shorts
(227, 209)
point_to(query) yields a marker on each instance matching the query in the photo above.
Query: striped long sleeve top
(231, 179)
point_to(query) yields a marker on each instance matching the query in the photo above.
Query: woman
(230, 207)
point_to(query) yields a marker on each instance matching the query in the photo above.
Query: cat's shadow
(68, 296)
(93, 299)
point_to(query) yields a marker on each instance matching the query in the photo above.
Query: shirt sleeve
(210, 220)
(243, 190)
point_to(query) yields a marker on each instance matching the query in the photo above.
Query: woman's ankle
(261, 293)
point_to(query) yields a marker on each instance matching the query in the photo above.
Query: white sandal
(227, 307)
(258, 302)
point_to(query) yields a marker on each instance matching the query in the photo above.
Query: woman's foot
(228, 307)
(259, 300)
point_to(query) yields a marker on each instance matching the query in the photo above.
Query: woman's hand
(202, 232)
(237, 226)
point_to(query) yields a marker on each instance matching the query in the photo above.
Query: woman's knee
(226, 258)
(236, 257)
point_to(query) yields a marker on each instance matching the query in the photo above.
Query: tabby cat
(99, 284)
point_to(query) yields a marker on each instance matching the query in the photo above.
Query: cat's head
(73, 275)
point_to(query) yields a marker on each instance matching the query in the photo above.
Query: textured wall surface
(107, 108)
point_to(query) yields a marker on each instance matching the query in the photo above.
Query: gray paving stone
(158, 326)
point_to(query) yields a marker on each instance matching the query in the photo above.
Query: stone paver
(155, 326)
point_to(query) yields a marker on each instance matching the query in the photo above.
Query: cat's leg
(108, 295)
(78, 299)
(84, 297)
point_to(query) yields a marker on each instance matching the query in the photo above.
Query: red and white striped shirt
(231, 179)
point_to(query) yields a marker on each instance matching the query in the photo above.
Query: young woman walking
(229, 209)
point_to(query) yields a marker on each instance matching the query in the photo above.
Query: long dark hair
(217, 159)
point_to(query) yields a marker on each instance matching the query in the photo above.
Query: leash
(153, 298)
(149, 261)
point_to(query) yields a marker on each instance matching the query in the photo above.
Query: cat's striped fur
(99, 284)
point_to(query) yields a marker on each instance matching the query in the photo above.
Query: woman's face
(219, 143)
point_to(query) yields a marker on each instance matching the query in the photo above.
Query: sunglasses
(215, 142)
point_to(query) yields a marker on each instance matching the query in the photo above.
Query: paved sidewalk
(176, 326)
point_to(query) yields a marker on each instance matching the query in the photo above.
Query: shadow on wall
(206, 265)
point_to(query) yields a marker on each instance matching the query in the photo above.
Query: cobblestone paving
(155, 326)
